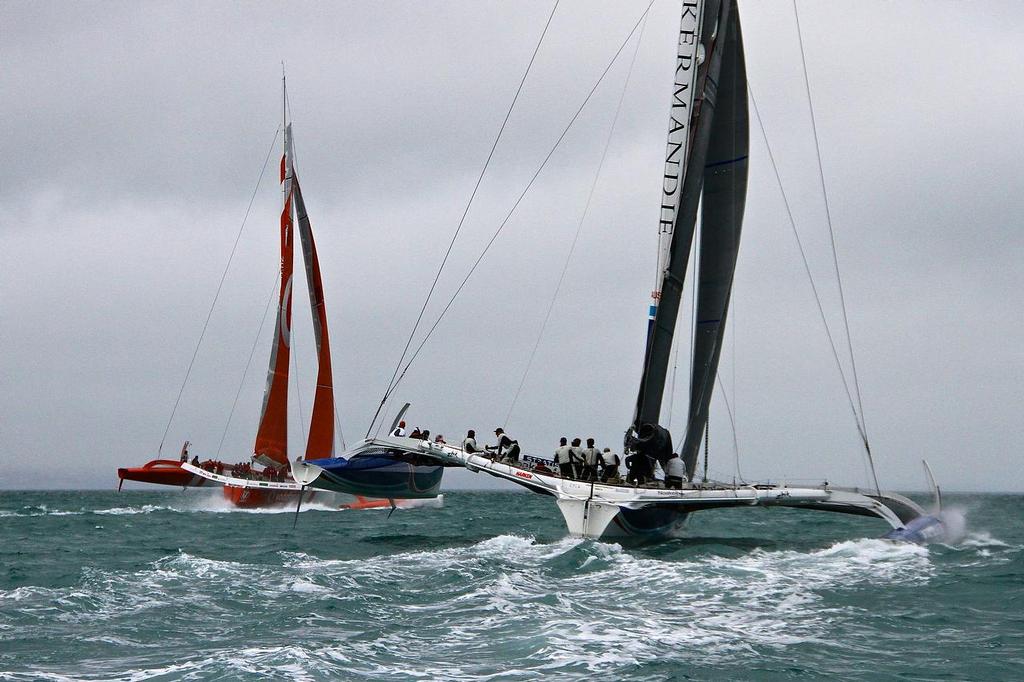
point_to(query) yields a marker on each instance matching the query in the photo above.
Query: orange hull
(163, 472)
(259, 498)
(255, 498)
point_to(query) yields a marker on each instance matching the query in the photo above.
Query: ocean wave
(212, 501)
(467, 606)
(128, 511)
(39, 510)
(984, 539)
(508, 582)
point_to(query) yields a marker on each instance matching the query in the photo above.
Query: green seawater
(175, 586)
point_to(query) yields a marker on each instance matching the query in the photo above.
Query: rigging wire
(462, 220)
(698, 239)
(672, 387)
(501, 226)
(835, 254)
(732, 422)
(248, 362)
(807, 269)
(579, 225)
(216, 296)
(337, 424)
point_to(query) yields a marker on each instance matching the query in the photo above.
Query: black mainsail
(724, 198)
(715, 167)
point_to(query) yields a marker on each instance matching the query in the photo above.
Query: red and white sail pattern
(272, 436)
(321, 426)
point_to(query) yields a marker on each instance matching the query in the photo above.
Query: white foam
(983, 538)
(308, 587)
(128, 511)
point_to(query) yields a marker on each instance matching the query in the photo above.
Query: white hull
(243, 482)
(596, 510)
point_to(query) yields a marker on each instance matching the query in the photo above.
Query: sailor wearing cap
(507, 448)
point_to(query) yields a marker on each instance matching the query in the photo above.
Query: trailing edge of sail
(724, 198)
(321, 426)
(697, 67)
(272, 436)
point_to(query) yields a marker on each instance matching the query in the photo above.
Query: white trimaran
(706, 165)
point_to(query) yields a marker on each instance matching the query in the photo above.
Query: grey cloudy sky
(135, 132)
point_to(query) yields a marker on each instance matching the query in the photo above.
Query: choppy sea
(175, 586)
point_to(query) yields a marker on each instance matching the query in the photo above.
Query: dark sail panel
(724, 198)
(662, 328)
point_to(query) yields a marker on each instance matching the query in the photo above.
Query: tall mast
(272, 436)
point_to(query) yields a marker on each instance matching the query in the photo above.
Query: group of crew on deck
(417, 433)
(586, 463)
(590, 463)
(572, 460)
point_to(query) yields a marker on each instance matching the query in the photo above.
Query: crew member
(638, 469)
(184, 451)
(507, 448)
(416, 433)
(563, 458)
(674, 472)
(591, 456)
(469, 445)
(576, 458)
(609, 466)
(399, 430)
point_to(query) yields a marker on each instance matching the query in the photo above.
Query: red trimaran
(272, 485)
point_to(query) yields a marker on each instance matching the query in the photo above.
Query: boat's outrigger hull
(393, 468)
(163, 472)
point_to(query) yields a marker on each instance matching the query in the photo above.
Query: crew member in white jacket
(576, 457)
(563, 458)
(469, 445)
(674, 472)
(591, 456)
(609, 465)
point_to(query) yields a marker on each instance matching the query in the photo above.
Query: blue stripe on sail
(652, 311)
(726, 163)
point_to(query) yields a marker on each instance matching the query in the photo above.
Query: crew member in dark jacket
(507, 448)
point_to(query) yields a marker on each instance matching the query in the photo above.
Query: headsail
(724, 198)
(699, 60)
(321, 427)
(272, 436)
